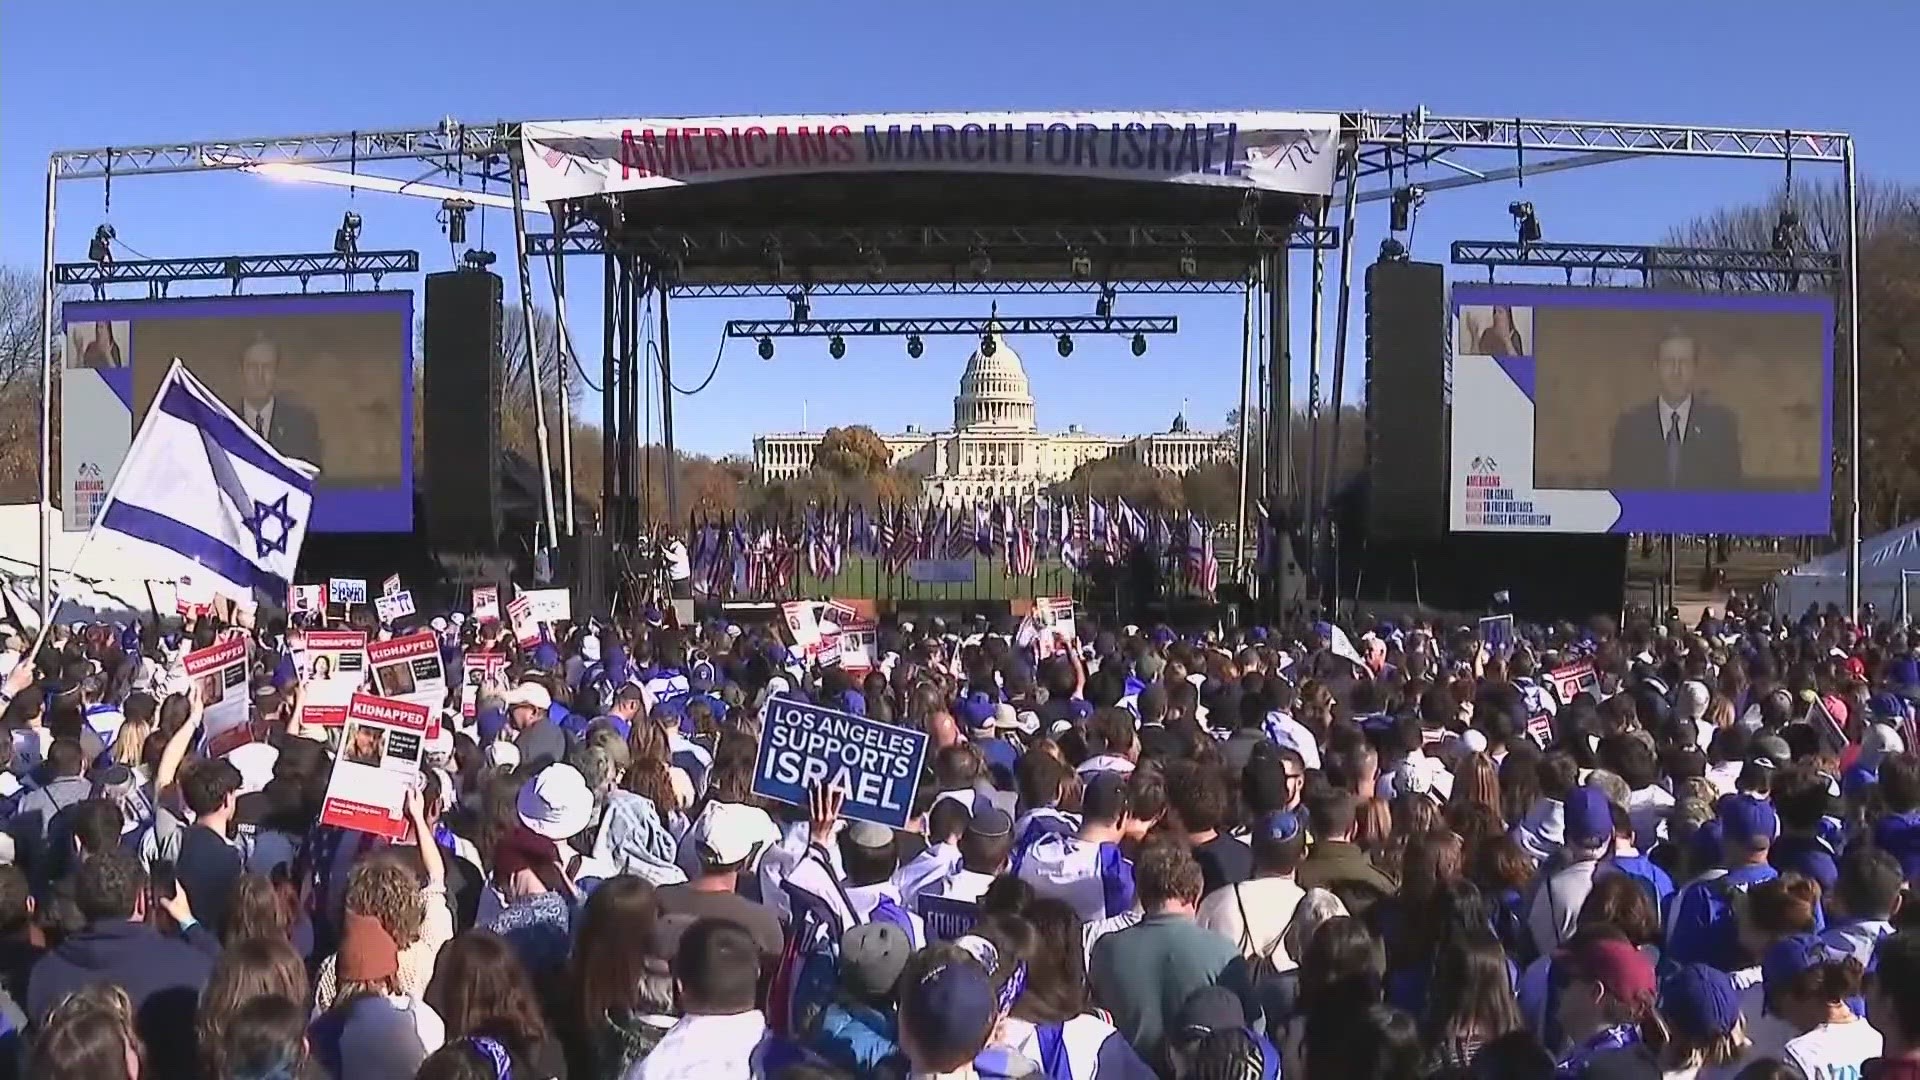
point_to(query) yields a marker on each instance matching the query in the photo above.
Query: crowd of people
(1141, 852)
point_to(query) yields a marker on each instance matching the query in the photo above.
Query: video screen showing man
(1680, 439)
(288, 425)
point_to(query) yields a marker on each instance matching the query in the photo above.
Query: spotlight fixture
(1139, 344)
(1785, 229)
(1081, 266)
(987, 347)
(836, 346)
(1525, 223)
(100, 248)
(915, 347)
(1405, 201)
(453, 219)
(1392, 250)
(766, 347)
(346, 238)
(981, 262)
(802, 310)
(1064, 343)
(477, 258)
(1103, 307)
(1189, 266)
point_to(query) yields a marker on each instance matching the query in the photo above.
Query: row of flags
(737, 555)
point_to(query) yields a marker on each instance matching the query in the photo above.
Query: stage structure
(1088, 222)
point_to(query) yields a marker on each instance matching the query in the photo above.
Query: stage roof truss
(159, 273)
(942, 326)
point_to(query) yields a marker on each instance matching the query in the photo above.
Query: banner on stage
(940, 571)
(333, 665)
(876, 765)
(379, 762)
(1268, 151)
(226, 713)
(409, 669)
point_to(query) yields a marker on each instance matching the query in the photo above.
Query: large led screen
(324, 377)
(1626, 410)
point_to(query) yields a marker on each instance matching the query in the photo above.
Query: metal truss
(1060, 324)
(669, 244)
(1422, 137)
(716, 290)
(1645, 259)
(449, 139)
(159, 273)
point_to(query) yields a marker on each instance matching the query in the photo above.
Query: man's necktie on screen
(260, 425)
(1673, 447)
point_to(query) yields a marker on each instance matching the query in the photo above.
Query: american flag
(906, 541)
(1203, 566)
(959, 537)
(1021, 546)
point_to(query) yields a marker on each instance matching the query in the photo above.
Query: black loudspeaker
(461, 385)
(583, 562)
(1407, 399)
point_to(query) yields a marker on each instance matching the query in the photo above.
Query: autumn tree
(1122, 476)
(851, 452)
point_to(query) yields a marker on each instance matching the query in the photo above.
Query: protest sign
(1057, 630)
(550, 605)
(948, 918)
(1497, 632)
(526, 628)
(409, 669)
(332, 664)
(486, 602)
(857, 651)
(307, 598)
(478, 672)
(191, 598)
(226, 711)
(875, 765)
(393, 606)
(1540, 728)
(802, 626)
(390, 586)
(378, 763)
(1570, 679)
(346, 590)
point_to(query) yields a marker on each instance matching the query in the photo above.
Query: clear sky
(103, 73)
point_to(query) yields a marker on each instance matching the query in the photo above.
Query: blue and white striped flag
(200, 491)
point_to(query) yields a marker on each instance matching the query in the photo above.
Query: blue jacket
(1899, 836)
(163, 976)
(855, 1037)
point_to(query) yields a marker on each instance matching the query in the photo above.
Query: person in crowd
(480, 990)
(726, 836)
(1869, 890)
(374, 1028)
(857, 1030)
(947, 1008)
(986, 848)
(1893, 1007)
(947, 822)
(1088, 869)
(1200, 797)
(1707, 1039)
(1143, 973)
(1702, 926)
(630, 836)
(208, 863)
(1334, 862)
(414, 914)
(1052, 1019)
(162, 976)
(33, 816)
(721, 1032)
(1567, 876)
(90, 1034)
(621, 994)
(538, 739)
(537, 919)
(247, 971)
(1256, 914)
(266, 1040)
(1607, 1009)
(1809, 984)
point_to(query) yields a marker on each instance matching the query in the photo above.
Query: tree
(1889, 323)
(1122, 476)
(851, 453)
(1212, 490)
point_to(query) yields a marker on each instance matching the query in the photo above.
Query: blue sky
(93, 74)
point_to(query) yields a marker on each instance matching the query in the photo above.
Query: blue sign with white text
(876, 765)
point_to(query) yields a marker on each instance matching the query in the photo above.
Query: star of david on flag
(203, 495)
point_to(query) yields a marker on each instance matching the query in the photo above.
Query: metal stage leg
(1342, 309)
(46, 405)
(1853, 381)
(666, 407)
(563, 356)
(612, 337)
(1313, 494)
(1240, 573)
(533, 350)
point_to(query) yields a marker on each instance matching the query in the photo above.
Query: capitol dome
(993, 390)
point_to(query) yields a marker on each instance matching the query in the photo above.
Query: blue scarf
(1617, 1037)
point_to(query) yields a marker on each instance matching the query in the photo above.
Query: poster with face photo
(409, 669)
(332, 665)
(226, 712)
(378, 763)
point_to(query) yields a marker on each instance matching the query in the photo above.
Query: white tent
(107, 583)
(1889, 566)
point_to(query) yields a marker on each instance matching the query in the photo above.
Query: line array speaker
(461, 387)
(1406, 399)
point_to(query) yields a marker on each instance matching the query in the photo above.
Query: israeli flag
(202, 493)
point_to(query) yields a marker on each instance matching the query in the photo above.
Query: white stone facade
(995, 449)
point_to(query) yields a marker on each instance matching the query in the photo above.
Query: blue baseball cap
(1700, 1001)
(1747, 820)
(1276, 827)
(1787, 958)
(976, 710)
(1589, 818)
(950, 1009)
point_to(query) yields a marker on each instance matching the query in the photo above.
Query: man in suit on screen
(1678, 440)
(289, 426)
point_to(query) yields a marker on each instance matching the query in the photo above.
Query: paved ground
(1745, 571)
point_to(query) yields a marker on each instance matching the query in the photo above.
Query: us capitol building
(995, 450)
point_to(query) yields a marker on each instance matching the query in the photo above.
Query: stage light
(1080, 265)
(802, 311)
(1405, 201)
(1525, 222)
(987, 347)
(915, 347)
(766, 347)
(1103, 307)
(100, 248)
(1392, 250)
(453, 219)
(477, 258)
(346, 238)
(1139, 344)
(1064, 343)
(836, 346)
(1785, 229)
(981, 262)
(1189, 266)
